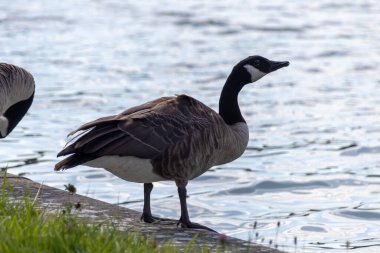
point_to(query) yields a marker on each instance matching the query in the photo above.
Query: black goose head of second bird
(246, 71)
(252, 69)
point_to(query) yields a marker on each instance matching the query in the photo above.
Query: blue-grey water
(313, 157)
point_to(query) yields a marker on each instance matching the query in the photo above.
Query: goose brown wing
(108, 119)
(143, 132)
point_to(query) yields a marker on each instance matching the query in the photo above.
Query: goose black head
(255, 67)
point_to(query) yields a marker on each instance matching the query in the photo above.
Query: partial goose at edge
(16, 96)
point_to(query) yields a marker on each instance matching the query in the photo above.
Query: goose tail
(72, 161)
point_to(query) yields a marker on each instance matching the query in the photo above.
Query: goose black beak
(274, 65)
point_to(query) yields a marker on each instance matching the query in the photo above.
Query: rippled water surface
(314, 152)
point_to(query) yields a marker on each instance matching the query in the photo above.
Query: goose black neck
(228, 102)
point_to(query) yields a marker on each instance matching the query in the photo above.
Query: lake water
(313, 157)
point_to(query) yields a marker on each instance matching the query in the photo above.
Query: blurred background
(313, 158)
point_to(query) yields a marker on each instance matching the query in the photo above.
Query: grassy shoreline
(25, 227)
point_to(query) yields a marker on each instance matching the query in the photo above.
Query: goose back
(180, 136)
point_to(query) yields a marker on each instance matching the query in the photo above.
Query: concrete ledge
(95, 211)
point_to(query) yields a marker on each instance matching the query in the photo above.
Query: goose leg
(147, 214)
(185, 220)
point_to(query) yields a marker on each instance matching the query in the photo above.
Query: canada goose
(16, 96)
(171, 138)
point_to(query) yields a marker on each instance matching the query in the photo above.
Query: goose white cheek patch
(254, 72)
(3, 126)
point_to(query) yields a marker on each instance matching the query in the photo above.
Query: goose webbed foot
(148, 218)
(189, 224)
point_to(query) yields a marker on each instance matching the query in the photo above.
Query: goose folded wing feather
(143, 133)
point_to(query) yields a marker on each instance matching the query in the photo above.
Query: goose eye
(256, 63)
